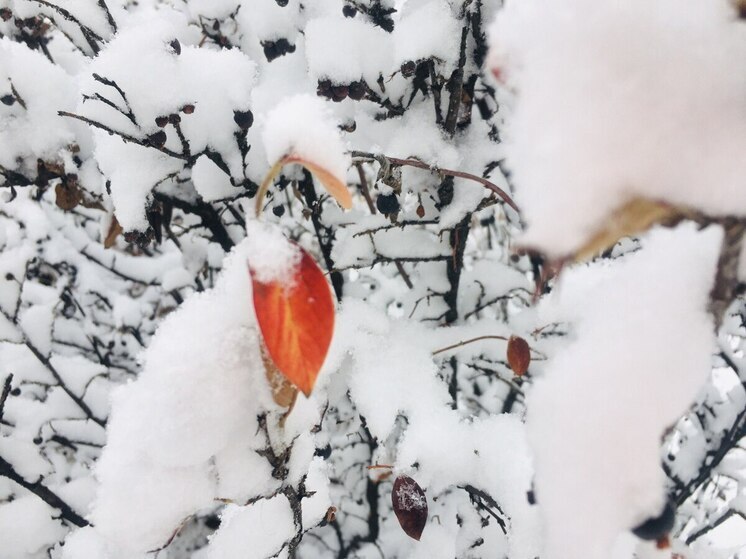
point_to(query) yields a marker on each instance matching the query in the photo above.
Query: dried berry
(158, 139)
(244, 119)
(656, 528)
(324, 89)
(356, 90)
(519, 355)
(161, 121)
(408, 69)
(8, 99)
(387, 203)
(420, 211)
(339, 93)
(174, 118)
(5, 14)
(187, 109)
(410, 506)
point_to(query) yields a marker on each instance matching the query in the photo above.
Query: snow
(347, 50)
(270, 256)
(26, 527)
(211, 183)
(302, 125)
(620, 100)
(598, 470)
(270, 522)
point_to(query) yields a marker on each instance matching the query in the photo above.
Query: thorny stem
(440, 170)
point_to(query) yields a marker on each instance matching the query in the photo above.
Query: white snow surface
(614, 100)
(641, 351)
(303, 125)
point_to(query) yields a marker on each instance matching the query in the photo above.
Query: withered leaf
(114, 231)
(410, 506)
(519, 355)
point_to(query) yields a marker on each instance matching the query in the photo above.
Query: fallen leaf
(296, 321)
(519, 355)
(410, 506)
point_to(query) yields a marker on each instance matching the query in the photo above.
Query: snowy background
(571, 173)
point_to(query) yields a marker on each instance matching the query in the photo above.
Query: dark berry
(349, 11)
(387, 203)
(282, 3)
(657, 527)
(339, 93)
(6, 14)
(408, 69)
(187, 109)
(244, 119)
(158, 139)
(8, 99)
(161, 121)
(324, 89)
(356, 90)
(175, 46)
(278, 210)
(174, 118)
(15, 392)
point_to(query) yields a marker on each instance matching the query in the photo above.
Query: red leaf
(519, 355)
(296, 321)
(410, 506)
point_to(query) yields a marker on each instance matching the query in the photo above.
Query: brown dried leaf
(114, 231)
(67, 195)
(410, 506)
(283, 391)
(519, 355)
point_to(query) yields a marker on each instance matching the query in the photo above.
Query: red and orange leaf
(296, 321)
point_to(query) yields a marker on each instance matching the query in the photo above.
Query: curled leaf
(296, 320)
(283, 391)
(114, 231)
(519, 355)
(410, 506)
(334, 185)
(632, 218)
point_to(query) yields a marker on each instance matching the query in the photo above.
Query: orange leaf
(296, 321)
(333, 185)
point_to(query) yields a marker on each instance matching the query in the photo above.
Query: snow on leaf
(410, 506)
(297, 321)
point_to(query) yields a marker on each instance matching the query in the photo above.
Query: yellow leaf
(632, 218)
